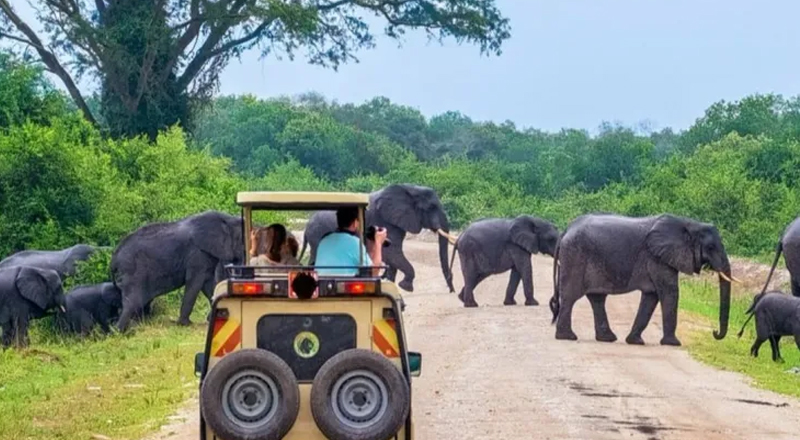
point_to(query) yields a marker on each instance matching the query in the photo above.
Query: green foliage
(94, 270)
(25, 94)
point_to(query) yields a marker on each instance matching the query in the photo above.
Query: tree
(154, 57)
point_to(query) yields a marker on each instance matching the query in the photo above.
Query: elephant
(161, 257)
(602, 254)
(90, 305)
(494, 245)
(777, 314)
(400, 208)
(789, 245)
(62, 261)
(27, 293)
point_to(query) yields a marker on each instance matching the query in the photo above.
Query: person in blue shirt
(341, 247)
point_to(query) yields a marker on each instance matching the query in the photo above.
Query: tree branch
(15, 38)
(50, 60)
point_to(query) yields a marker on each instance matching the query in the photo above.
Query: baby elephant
(777, 315)
(91, 305)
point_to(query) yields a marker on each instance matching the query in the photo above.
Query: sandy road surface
(497, 372)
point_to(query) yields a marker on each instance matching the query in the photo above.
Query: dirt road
(498, 372)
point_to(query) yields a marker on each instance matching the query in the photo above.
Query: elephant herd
(595, 256)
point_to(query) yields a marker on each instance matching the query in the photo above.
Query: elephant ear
(670, 242)
(33, 287)
(523, 234)
(401, 206)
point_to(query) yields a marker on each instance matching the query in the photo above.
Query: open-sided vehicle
(294, 354)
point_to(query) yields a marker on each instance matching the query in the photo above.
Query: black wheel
(250, 395)
(359, 395)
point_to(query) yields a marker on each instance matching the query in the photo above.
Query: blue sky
(569, 63)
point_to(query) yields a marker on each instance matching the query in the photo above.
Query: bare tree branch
(50, 60)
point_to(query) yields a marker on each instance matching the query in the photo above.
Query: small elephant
(777, 314)
(87, 306)
(26, 293)
(400, 208)
(789, 245)
(161, 257)
(62, 261)
(603, 254)
(495, 245)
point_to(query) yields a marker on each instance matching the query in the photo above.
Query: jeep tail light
(356, 287)
(250, 288)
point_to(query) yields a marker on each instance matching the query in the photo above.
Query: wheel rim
(250, 399)
(359, 399)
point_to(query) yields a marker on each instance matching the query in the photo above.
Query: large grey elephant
(161, 257)
(607, 254)
(26, 293)
(62, 261)
(400, 208)
(789, 245)
(495, 245)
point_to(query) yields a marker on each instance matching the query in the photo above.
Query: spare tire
(250, 394)
(359, 395)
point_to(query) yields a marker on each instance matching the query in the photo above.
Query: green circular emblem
(306, 344)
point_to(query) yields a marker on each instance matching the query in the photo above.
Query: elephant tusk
(63, 309)
(730, 279)
(449, 237)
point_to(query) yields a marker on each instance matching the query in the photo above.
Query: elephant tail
(778, 251)
(453, 260)
(750, 312)
(555, 301)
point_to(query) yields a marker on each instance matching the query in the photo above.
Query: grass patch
(701, 300)
(120, 386)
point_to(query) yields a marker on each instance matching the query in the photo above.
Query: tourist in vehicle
(272, 246)
(341, 247)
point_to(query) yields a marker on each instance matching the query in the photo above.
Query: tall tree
(153, 57)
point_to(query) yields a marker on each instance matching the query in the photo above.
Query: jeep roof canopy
(301, 200)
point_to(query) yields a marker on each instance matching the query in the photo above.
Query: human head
(347, 218)
(276, 236)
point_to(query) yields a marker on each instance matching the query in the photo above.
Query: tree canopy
(153, 59)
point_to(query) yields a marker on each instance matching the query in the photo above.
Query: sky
(568, 63)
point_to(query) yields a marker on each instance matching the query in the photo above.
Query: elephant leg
(647, 305)
(511, 290)
(21, 338)
(795, 287)
(775, 344)
(524, 266)
(393, 257)
(571, 292)
(756, 346)
(390, 273)
(8, 331)
(797, 340)
(602, 328)
(470, 283)
(192, 289)
(669, 315)
(132, 303)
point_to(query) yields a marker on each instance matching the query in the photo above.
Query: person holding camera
(341, 247)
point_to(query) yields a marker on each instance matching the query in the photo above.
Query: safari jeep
(291, 354)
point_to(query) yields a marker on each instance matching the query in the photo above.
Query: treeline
(62, 182)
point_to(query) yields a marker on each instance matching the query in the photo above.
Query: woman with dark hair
(273, 246)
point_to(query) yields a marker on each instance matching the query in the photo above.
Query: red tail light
(250, 288)
(356, 287)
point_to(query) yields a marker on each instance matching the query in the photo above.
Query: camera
(370, 235)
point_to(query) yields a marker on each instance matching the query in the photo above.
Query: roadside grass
(119, 386)
(701, 300)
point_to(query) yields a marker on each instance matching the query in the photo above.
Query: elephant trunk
(443, 246)
(724, 301)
